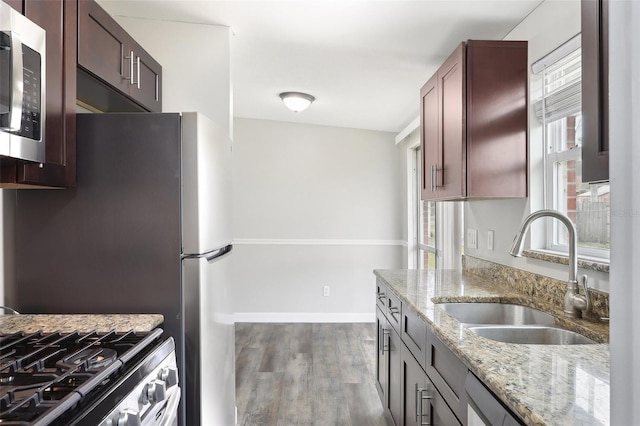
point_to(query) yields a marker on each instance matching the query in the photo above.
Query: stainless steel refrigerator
(147, 230)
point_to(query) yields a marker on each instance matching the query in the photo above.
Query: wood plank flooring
(307, 374)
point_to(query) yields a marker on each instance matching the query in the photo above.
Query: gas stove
(97, 378)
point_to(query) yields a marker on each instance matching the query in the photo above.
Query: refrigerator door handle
(211, 255)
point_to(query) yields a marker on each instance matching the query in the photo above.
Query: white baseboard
(320, 317)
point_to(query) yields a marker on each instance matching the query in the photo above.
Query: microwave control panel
(31, 80)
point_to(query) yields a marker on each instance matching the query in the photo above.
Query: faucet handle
(585, 288)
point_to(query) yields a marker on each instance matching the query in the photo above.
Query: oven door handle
(171, 410)
(17, 83)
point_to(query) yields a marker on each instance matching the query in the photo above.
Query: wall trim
(415, 123)
(316, 242)
(298, 317)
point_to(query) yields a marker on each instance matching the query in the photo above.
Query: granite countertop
(543, 384)
(79, 322)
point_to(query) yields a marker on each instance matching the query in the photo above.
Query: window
(559, 111)
(436, 227)
(425, 213)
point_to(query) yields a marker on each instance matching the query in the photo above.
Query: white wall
(313, 206)
(195, 61)
(624, 108)
(547, 27)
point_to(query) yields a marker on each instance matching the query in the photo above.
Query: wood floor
(307, 374)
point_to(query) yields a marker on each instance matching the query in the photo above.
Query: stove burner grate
(43, 375)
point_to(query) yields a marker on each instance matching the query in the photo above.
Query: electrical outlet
(326, 291)
(490, 240)
(472, 238)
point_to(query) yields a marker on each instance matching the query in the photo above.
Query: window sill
(594, 264)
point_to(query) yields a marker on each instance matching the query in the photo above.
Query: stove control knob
(153, 392)
(129, 417)
(169, 375)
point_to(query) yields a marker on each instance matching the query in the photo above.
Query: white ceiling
(364, 61)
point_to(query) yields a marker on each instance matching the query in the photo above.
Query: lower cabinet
(419, 380)
(447, 373)
(395, 377)
(382, 358)
(388, 366)
(422, 404)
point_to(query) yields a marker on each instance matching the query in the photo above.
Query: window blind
(562, 89)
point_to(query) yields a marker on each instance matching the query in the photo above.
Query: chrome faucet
(574, 303)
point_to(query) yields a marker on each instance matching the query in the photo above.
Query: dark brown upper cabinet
(109, 58)
(16, 4)
(58, 18)
(595, 91)
(474, 123)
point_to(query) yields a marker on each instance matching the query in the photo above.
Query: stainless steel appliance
(147, 230)
(88, 378)
(22, 86)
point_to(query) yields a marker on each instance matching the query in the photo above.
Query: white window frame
(550, 158)
(448, 226)
(415, 204)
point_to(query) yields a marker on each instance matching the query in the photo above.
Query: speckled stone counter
(543, 384)
(82, 323)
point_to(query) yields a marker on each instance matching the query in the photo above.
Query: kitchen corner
(541, 384)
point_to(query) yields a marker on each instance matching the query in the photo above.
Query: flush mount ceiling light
(296, 101)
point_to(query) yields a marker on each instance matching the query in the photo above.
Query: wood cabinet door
(414, 388)
(497, 101)
(595, 91)
(102, 46)
(430, 141)
(451, 176)
(414, 334)
(147, 86)
(422, 404)
(382, 359)
(447, 373)
(437, 412)
(395, 385)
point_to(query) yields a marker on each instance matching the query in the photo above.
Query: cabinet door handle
(130, 58)
(433, 178)
(418, 402)
(393, 310)
(385, 342)
(131, 70)
(138, 66)
(381, 296)
(421, 395)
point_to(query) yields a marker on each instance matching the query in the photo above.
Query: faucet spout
(574, 302)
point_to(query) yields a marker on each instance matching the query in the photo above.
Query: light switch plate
(490, 239)
(472, 238)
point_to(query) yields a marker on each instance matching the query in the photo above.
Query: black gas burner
(93, 358)
(43, 375)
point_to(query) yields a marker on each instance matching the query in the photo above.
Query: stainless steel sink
(531, 335)
(496, 313)
(512, 324)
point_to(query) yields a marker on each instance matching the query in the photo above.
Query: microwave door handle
(17, 83)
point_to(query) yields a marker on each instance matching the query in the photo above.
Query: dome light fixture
(296, 101)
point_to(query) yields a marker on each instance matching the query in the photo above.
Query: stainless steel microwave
(22, 86)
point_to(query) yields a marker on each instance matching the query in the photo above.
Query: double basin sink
(512, 324)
